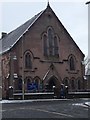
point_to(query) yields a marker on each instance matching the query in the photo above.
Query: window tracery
(50, 43)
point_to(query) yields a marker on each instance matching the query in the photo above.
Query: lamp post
(10, 89)
(88, 68)
(23, 89)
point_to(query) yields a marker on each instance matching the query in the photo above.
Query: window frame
(51, 46)
(28, 60)
(72, 63)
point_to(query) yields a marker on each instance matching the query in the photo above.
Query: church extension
(40, 55)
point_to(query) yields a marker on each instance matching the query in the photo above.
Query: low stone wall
(79, 95)
(35, 95)
(50, 95)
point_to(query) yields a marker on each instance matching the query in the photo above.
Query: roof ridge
(37, 15)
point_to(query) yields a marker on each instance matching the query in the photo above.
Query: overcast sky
(73, 15)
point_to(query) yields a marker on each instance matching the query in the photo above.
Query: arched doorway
(53, 85)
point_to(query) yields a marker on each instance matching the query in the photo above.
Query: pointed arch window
(73, 84)
(28, 82)
(37, 82)
(66, 82)
(50, 41)
(28, 62)
(45, 44)
(79, 84)
(20, 84)
(72, 63)
(55, 46)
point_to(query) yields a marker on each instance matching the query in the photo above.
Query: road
(71, 108)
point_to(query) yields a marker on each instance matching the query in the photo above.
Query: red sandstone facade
(43, 56)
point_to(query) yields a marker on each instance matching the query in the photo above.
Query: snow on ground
(82, 104)
(23, 101)
(42, 100)
(13, 101)
(87, 103)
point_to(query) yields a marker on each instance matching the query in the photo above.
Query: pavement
(45, 108)
(33, 100)
(39, 100)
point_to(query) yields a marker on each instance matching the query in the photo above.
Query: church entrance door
(51, 84)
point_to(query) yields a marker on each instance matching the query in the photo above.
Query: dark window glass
(28, 84)
(50, 43)
(79, 84)
(50, 40)
(72, 64)
(72, 84)
(28, 63)
(20, 84)
(36, 83)
(55, 46)
(45, 45)
(66, 82)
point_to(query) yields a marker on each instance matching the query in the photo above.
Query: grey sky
(73, 15)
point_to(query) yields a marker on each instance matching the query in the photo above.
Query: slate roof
(12, 38)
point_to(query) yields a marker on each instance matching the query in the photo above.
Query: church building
(40, 55)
